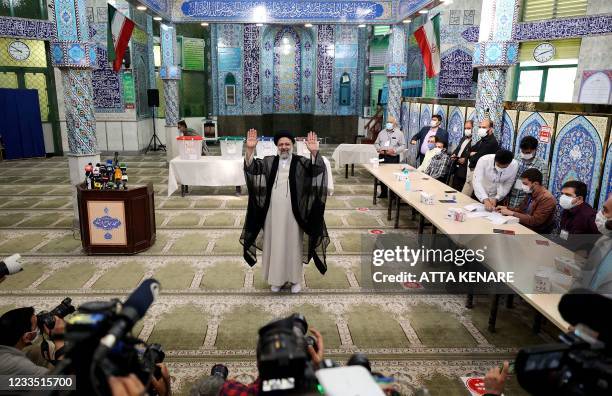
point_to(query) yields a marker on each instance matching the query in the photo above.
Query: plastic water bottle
(407, 185)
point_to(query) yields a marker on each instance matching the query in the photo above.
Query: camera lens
(359, 359)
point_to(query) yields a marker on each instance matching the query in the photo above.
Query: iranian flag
(428, 38)
(119, 33)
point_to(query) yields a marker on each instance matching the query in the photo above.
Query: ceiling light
(204, 23)
(423, 11)
(406, 21)
(362, 25)
(141, 8)
(259, 24)
(157, 18)
(308, 25)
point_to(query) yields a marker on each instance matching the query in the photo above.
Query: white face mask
(433, 123)
(389, 125)
(498, 169)
(566, 202)
(437, 150)
(468, 132)
(527, 156)
(526, 188)
(482, 132)
(600, 222)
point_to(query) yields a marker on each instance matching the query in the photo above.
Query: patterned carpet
(212, 303)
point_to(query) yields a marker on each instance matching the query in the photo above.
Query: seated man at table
(578, 217)
(439, 163)
(493, 177)
(184, 131)
(389, 144)
(431, 145)
(537, 211)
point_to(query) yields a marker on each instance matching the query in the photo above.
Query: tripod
(155, 139)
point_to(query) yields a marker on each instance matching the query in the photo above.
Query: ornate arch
(456, 121)
(507, 132)
(292, 102)
(606, 181)
(577, 155)
(425, 115)
(531, 127)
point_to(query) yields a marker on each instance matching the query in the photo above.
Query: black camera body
(283, 360)
(47, 318)
(84, 330)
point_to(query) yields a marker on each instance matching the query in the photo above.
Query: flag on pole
(119, 33)
(428, 38)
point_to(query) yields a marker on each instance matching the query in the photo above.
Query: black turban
(283, 134)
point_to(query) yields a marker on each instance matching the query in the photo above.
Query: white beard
(284, 155)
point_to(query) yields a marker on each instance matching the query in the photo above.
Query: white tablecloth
(215, 171)
(208, 171)
(347, 154)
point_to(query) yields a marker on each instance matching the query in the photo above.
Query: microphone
(573, 308)
(10, 265)
(133, 310)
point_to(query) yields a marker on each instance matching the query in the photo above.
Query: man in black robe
(287, 194)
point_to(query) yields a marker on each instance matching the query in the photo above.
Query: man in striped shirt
(527, 159)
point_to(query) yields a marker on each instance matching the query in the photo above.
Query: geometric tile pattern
(80, 118)
(490, 95)
(251, 64)
(456, 125)
(171, 97)
(606, 184)
(507, 131)
(308, 67)
(287, 70)
(27, 28)
(325, 67)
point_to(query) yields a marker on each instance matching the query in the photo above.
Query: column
(170, 74)
(494, 53)
(396, 70)
(74, 55)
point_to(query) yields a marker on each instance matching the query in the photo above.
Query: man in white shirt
(389, 144)
(494, 176)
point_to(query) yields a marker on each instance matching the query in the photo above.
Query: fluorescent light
(423, 11)
(308, 25)
(362, 25)
(204, 23)
(141, 8)
(259, 24)
(157, 18)
(406, 21)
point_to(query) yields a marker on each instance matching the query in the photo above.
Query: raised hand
(251, 141)
(312, 143)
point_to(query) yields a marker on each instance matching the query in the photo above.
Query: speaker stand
(153, 143)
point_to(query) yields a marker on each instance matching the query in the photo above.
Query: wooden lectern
(117, 221)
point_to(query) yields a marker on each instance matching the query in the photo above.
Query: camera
(582, 363)
(283, 360)
(47, 318)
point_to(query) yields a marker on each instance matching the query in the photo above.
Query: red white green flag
(428, 38)
(119, 33)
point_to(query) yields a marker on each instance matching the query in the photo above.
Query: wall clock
(544, 52)
(19, 50)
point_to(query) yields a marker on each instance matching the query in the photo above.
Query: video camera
(99, 343)
(582, 363)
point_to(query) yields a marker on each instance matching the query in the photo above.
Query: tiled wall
(309, 82)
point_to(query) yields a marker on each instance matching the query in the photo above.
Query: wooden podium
(117, 221)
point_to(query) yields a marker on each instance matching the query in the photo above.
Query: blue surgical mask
(431, 145)
(389, 125)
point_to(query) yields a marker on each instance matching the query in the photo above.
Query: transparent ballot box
(190, 147)
(265, 147)
(231, 147)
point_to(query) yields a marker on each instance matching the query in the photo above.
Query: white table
(352, 154)
(215, 171)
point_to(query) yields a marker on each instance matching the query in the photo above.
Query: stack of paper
(475, 207)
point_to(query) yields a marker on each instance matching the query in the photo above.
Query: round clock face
(544, 52)
(19, 50)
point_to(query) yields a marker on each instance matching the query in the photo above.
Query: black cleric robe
(308, 190)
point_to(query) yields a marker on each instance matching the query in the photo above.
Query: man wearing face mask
(389, 144)
(486, 145)
(438, 167)
(18, 330)
(537, 211)
(597, 271)
(431, 145)
(527, 159)
(460, 157)
(493, 178)
(422, 138)
(578, 217)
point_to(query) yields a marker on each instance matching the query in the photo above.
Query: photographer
(235, 388)
(18, 330)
